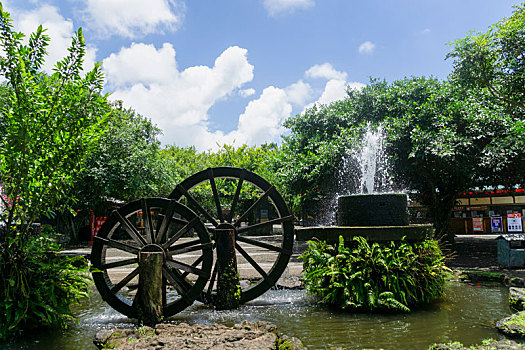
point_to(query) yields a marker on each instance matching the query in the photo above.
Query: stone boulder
(247, 335)
(489, 344)
(513, 326)
(517, 298)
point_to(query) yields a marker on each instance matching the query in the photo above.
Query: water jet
(376, 216)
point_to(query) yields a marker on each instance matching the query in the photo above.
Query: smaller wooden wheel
(152, 224)
(236, 199)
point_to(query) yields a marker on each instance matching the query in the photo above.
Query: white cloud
(366, 48)
(59, 29)
(325, 71)
(354, 85)
(246, 92)
(262, 119)
(141, 63)
(335, 90)
(277, 7)
(298, 93)
(133, 18)
(177, 101)
(426, 31)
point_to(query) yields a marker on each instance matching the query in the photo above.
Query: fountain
(376, 216)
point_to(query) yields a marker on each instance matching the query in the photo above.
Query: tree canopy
(49, 124)
(494, 60)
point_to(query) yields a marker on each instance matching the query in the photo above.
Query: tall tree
(125, 163)
(452, 143)
(313, 156)
(494, 59)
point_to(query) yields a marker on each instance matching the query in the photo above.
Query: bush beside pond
(374, 276)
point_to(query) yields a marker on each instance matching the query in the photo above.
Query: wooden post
(228, 284)
(149, 294)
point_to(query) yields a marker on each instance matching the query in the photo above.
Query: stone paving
(469, 252)
(477, 252)
(263, 257)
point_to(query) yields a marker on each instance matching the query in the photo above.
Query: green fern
(374, 276)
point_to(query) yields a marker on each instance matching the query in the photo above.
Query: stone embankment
(257, 336)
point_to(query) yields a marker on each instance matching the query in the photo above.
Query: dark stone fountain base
(331, 234)
(377, 217)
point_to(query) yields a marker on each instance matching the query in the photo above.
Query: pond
(467, 314)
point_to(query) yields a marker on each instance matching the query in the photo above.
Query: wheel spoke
(215, 195)
(251, 261)
(195, 263)
(124, 281)
(119, 263)
(178, 283)
(181, 232)
(259, 244)
(199, 207)
(118, 245)
(266, 223)
(236, 196)
(185, 267)
(130, 229)
(212, 281)
(187, 247)
(168, 217)
(148, 225)
(260, 199)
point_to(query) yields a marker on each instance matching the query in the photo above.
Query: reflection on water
(467, 314)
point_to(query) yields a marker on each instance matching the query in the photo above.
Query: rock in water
(513, 326)
(247, 335)
(517, 298)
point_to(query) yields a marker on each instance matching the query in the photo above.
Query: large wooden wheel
(239, 200)
(152, 224)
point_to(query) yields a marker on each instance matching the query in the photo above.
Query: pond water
(467, 314)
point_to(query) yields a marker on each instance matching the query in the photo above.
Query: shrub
(38, 285)
(374, 276)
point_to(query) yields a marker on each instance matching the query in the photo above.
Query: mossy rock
(517, 298)
(487, 344)
(516, 282)
(484, 276)
(513, 326)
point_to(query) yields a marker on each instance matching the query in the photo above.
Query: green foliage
(184, 162)
(125, 163)
(312, 160)
(451, 143)
(494, 60)
(49, 125)
(374, 276)
(38, 285)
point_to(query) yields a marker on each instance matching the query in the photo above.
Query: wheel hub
(153, 248)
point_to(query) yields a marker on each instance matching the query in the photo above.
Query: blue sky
(231, 71)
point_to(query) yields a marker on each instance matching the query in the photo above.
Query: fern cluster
(374, 276)
(38, 286)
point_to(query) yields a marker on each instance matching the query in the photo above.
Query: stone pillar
(149, 293)
(228, 284)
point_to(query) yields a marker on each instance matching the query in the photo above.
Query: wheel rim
(277, 247)
(187, 263)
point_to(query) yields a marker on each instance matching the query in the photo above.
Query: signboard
(496, 224)
(514, 223)
(477, 224)
(264, 215)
